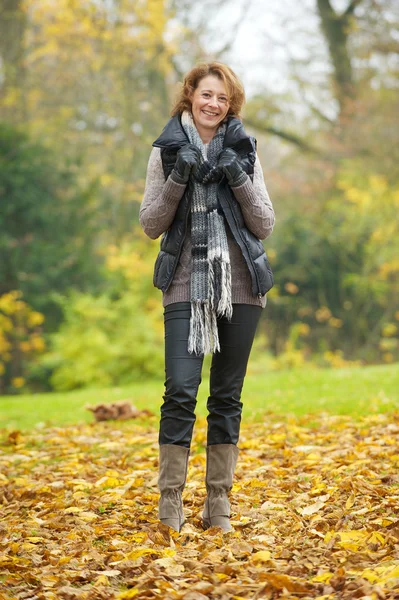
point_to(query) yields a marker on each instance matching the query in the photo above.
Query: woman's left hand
(230, 165)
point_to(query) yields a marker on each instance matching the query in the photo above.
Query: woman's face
(210, 104)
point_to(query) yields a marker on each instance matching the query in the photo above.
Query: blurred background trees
(85, 88)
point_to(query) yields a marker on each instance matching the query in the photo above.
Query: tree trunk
(336, 29)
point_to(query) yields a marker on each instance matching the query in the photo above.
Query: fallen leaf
(261, 556)
(312, 508)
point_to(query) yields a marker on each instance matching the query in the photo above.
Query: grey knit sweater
(157, 211)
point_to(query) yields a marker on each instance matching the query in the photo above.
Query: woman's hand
(230, 166)
(187, 157)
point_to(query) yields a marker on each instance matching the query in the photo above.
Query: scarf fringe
(204, 336)
(219, 282)
(225, 306)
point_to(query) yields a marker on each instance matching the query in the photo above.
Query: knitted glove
(230, 166)
(187, 157)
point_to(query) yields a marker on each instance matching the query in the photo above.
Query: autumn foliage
(315, 513)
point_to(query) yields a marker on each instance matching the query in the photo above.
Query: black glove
(229, 164)
(187, 157)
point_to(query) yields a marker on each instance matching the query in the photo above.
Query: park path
(315, 510)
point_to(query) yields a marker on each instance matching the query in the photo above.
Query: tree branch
(285, 135)
(325, 9)
(351, 8)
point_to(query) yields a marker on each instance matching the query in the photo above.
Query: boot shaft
(173, 463)
(220, 466)
(221, 462)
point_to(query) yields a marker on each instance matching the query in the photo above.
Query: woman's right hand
(187, 157)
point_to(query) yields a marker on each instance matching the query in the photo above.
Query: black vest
(172, 138)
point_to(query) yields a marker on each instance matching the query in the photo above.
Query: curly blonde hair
(234, 87)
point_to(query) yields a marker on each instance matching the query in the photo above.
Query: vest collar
(174, 136)
(235, 133)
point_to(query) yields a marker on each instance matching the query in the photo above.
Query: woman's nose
(213, 101)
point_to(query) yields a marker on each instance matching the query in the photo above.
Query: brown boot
(221, 461)
(173, 462)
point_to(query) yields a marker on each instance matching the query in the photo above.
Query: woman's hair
(234, 87)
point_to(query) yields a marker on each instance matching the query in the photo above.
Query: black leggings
(183, 376)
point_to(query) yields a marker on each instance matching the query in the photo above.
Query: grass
(351, 391)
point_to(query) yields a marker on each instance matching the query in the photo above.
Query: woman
(206, 194)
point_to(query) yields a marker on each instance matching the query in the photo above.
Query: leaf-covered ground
(315, 510)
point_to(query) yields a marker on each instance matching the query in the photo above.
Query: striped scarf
(211, 269)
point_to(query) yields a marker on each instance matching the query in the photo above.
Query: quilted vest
(170, 141)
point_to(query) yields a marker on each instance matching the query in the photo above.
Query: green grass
(352, 391)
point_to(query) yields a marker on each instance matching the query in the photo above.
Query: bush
(104, 342)
(21, 341)
(117, 337)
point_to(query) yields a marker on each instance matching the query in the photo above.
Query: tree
(46, 224)
(95, 85)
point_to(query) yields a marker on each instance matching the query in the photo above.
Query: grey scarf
(211, 270)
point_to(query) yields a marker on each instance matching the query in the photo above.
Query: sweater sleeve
(161, 198)
(256, 206)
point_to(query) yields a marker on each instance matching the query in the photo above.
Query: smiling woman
(209, 106)
(228, 86)
(206, 195)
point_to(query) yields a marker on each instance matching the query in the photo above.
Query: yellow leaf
(350, 540)
(169, 552)
(27, 547)
(64, 559)
(21, 481)
(35, 540)
(73, 510)
(261, 556)
(129, 594)
(381, 575)
(313, 457)
(350, 501)
(140, 552)
(101, 580)
(279, 582)
(72, 536)
(109, 481)
(376, 538)
(323, 578)
(138, 537)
